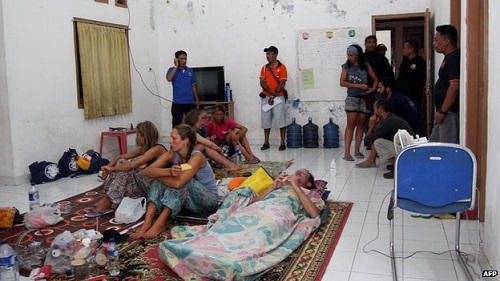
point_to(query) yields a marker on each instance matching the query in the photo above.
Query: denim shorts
(356, 104)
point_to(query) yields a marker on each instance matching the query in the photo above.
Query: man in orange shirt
(273, 77)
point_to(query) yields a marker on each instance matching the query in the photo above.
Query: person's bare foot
(232, 167)
(140, 234)
(154, 231)
(103, 205)
(366, 164)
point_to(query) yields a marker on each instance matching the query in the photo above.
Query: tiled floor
(361, 253)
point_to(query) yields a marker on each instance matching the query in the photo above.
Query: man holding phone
(185, 96)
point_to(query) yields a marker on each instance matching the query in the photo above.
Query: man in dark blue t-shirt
(400, 104)
(446, 89)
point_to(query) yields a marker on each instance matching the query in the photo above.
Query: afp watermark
(490, 273)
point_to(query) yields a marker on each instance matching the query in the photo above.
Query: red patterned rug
(140, 259)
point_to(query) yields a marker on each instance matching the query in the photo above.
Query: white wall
(234, 34)
(39, 98)
(492, 220)
(40, 118)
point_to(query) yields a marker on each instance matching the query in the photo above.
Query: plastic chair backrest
(435, 175)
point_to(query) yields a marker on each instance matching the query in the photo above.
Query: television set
(210, 83)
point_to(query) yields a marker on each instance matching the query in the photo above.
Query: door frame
(476, 90)
(426, 16)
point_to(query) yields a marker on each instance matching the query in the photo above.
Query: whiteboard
(321, 53)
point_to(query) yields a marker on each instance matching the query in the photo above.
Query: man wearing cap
(273, 77)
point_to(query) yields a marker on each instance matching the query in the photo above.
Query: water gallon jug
(331, 134)
(294, 135)
(310, 135)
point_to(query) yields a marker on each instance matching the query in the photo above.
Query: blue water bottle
(228, 92)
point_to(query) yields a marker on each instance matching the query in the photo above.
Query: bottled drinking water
(333, 168)
(34, 197)
(9, 268)
(113, 258)
(237, 153)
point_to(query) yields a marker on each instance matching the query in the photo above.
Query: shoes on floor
(389, 175)
(359, 155)
(365, 165)
(282, 147)
(423, 216)
(390, 167)
(445, 216)
(348, 158)
(264, 146)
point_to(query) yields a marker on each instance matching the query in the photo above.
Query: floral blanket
(242, 241)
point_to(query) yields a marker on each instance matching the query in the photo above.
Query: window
(121, 3)
(103, 69)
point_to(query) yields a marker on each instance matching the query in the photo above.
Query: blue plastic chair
(434, 178)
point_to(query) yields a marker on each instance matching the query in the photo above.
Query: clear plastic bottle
(113, 266)
(34, 197)
(237, 153)
(333, 168)
(9, 268)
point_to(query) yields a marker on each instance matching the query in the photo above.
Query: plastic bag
(130, 210)
(42, 217)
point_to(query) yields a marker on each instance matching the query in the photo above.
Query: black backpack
(67, 163)
(96, 162)
(44, 172)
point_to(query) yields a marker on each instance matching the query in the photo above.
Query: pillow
(235, 183)
(259, 181)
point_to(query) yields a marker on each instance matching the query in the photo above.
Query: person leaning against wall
(273, 78)
(185, 96)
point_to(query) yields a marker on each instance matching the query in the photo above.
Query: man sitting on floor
(383, 125)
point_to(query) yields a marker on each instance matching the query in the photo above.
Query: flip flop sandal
(359, 155)
(362, 165)
(91, 213)
(348, 158)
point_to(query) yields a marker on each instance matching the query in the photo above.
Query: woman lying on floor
(197, 118)
(249, 234)
(191, 186)
(123, 175)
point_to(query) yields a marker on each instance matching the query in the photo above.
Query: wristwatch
(441, 111)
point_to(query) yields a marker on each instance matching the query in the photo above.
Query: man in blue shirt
(185, 96)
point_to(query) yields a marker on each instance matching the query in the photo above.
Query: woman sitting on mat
(197, 118)
(123, 175)
(189, 183)
(249, 234)
(223, 130)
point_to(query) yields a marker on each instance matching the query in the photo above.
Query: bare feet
(103, 205)
(232, 167)
(157, 228)
(139, 234)
(366, 164)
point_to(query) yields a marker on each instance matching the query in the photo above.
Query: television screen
(210, 83)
